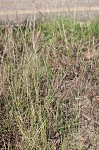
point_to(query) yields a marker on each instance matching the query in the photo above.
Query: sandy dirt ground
(14, 11)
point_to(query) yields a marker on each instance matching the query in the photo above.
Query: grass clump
(49, 85)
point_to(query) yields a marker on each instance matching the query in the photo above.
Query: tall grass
(49, 73)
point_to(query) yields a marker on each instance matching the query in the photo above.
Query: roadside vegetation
(49, 85)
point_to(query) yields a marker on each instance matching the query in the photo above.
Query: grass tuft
(49, 85)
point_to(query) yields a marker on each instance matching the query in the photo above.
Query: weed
(49, 80)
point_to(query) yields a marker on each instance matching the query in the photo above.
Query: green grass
(49, 85)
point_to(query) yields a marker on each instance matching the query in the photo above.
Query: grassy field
(49, 85)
